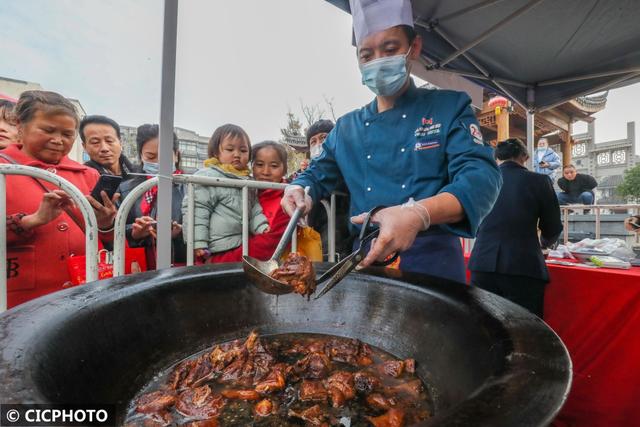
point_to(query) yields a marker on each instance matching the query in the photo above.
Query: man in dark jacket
(576, 187)
(101, 140)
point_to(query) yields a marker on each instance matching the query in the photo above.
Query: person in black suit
(507, 257)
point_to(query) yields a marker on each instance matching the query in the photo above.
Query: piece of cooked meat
(211, 422)
(410, 389)
(365, 382)
(275, 381)
(392, 418)
(241, 394)
(393, 368)
(200, 403)
(313, 365)
(313, 390)
(341, 388)
(264, 408)
(378, 401)
(297, 271)
(313, 416)
(156, 401)
(410, 365)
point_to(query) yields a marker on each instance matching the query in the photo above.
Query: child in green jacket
(218, 210)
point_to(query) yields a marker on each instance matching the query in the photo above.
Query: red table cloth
(596, 313)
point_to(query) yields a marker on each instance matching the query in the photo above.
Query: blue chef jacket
(427, 144)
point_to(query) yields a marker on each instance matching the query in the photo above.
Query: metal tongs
(338, 272)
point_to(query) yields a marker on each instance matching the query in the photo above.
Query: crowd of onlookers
(45, 229)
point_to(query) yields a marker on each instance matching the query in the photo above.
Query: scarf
(148, 202)
(225, 167)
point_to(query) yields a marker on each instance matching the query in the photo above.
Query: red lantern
(498, 103)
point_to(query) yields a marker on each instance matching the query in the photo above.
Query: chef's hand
(399, 226)
(294, 197)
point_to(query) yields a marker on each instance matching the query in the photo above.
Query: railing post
(565, 218)
(245, 220)
(597, 209)
(190, 232)
(3, 243)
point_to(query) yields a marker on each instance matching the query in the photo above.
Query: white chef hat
(371, 16)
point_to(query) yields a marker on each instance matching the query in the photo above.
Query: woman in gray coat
(218, 210)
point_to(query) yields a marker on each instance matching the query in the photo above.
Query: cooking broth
(285, 380)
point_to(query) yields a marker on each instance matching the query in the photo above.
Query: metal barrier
(190, 181)
(91, 224)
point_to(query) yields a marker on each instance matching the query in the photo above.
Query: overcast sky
(240, 61)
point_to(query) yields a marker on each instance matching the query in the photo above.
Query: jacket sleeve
(590, 182)
(554, 161)
(258, 223)
(562, 183)
(323, 174)
(474, 177)
(550, 223)
(205, 199)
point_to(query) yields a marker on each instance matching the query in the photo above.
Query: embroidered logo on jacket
(428, 128)
(426, 145)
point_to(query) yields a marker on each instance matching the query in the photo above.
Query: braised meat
(341, 388)
(264, 408)
(392, 418)
(241, 394)
(297, 271)
(313, 416)
(313, 390)
(199, 403)
(366, 382)
(393, 368)
(285, 380)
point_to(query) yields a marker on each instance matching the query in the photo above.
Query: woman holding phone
(44, 228)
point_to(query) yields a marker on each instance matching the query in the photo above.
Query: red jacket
(261, 246)
(37, 264)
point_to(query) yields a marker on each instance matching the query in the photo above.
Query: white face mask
(315, 151)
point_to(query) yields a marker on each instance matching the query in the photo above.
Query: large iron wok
(487, 361)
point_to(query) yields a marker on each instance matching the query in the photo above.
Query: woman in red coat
(43, 225)
(269, 164)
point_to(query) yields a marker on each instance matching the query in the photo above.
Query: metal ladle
(259, 271)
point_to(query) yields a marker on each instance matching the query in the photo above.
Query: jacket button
(63, 226)
(403, 186)
(366, 123)
(402, 150)
(368, 156)
(368, 188)
(404, 116)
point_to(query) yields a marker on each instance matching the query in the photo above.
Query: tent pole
(589, 76)
(165, 149)
(491, 30)
(531, 145)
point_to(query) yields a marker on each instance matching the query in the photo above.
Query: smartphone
(108, 184)
(635, 225)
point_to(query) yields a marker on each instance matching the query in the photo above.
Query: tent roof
(540, 53)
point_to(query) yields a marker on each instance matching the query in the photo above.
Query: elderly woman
(507, 257)
(44, 228)
(141, 222)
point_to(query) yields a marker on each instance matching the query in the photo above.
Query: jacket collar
(511, 165)
(15, 152)
(224, 167)
(371, 109)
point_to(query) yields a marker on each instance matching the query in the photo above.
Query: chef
(417, 151)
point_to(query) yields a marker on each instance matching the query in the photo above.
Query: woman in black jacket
(507, 257)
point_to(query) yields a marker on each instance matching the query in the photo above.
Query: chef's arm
(443, 208)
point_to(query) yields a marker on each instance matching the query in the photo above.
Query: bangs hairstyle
(279, 148)
(32, 101)
(7, 112)
(226, 131)
(147, 132)
(511, 149)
